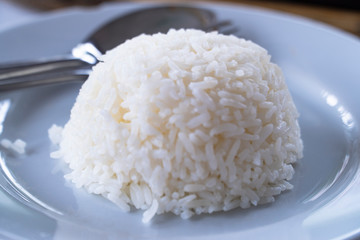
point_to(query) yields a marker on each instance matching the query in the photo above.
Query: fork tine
(217, 25)
(231, 31)
(225, 27)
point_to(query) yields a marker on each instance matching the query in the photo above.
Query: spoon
(77, 65)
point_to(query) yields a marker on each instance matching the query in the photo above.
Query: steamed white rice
(17, 146)
(185, 122)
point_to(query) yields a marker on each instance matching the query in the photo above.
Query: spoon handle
(25, 69)
(45, 78)
(26, 74)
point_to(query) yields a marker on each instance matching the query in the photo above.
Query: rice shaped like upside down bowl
(185, 122)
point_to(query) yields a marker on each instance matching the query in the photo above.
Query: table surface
(347, 19)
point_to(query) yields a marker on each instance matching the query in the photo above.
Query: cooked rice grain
(185, 122)
(18, 146)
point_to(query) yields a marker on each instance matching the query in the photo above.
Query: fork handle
(45, 78)
(26, 69)
(42, 72)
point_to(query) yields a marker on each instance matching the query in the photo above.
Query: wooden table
(346, 19)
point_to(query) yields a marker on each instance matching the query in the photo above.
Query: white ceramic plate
(322, 68)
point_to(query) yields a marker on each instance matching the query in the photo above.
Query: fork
(30, 74)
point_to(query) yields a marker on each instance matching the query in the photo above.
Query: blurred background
(344, 14)
(49, 4)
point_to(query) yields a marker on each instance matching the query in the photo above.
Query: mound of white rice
(185, 122)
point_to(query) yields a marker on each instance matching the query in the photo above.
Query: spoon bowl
(77, 65)
(144, 21)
